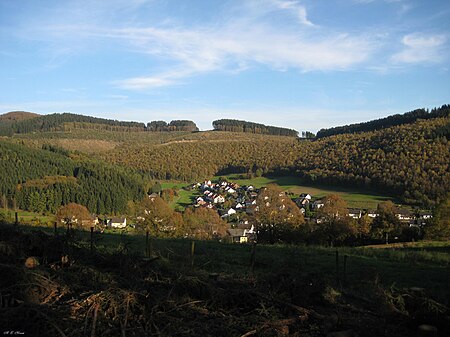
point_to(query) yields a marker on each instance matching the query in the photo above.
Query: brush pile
(74, 292)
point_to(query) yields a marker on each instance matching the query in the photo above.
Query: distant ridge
(18, 116)
(25, 122)
(406, 118)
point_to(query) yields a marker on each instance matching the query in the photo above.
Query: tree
(386, 223)
(156, 188)
(439, 226)
(154, 214)
(276, 215)
(334, 221)
(73, 214)
(202, 223)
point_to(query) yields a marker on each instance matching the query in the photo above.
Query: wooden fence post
(17, 218)
(55, 227)
(147, 250)
(253, 257)
(337, 267)
(345, 270)
(92, 238)
(192, 252)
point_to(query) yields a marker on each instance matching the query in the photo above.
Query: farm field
(356, 198)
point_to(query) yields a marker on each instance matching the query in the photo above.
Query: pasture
(355, 197)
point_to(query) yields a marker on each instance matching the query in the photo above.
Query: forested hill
(17, 116)
(43, 180)
(57, 121)
(399, 119)
(19, 122)
(244, 126)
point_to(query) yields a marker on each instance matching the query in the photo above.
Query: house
(354, 213)
(250, 203)
(372, 213)
(237, 235)
(317, 204)
(200, 201)
(218, 199)
(230, 190)
(425, 215)
(229, 212)
(93, 221)
(302, 202)
(239, 206)
(117, 222)
(253, 195)
(404, 215)
(305, 196)
(153, 196)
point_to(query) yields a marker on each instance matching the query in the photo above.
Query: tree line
(175, 125)
(69, 121)
(244, 126)
(394, 120)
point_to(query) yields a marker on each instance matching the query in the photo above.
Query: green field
(27, 217)
(357, 198)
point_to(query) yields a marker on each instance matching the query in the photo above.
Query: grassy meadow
(357, 198)
(26, 216)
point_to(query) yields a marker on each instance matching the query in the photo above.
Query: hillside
(41, 180)
(13, 116)
(409, 161)
(394, 120)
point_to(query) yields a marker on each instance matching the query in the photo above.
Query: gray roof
(235, 232)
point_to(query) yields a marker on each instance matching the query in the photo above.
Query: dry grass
(118, 294)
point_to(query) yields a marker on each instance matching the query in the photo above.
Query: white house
(218, 199)
(118, 222)
(231, 211)
(372, 213)
(354, 213)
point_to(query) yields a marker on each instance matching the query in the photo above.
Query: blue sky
(298, 64)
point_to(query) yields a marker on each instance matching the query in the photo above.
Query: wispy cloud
(233, 44)
(420, 48)
(298, 10)
(229, 48)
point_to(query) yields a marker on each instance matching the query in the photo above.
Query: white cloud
(298, 10)
(227, 49)
(235, 43)
(419, 48)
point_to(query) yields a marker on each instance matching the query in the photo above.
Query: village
(237, 204)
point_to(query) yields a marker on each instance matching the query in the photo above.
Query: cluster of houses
(304, 202)
(233, 202)
(215, 195)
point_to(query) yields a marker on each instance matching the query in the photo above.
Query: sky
(306, 64)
